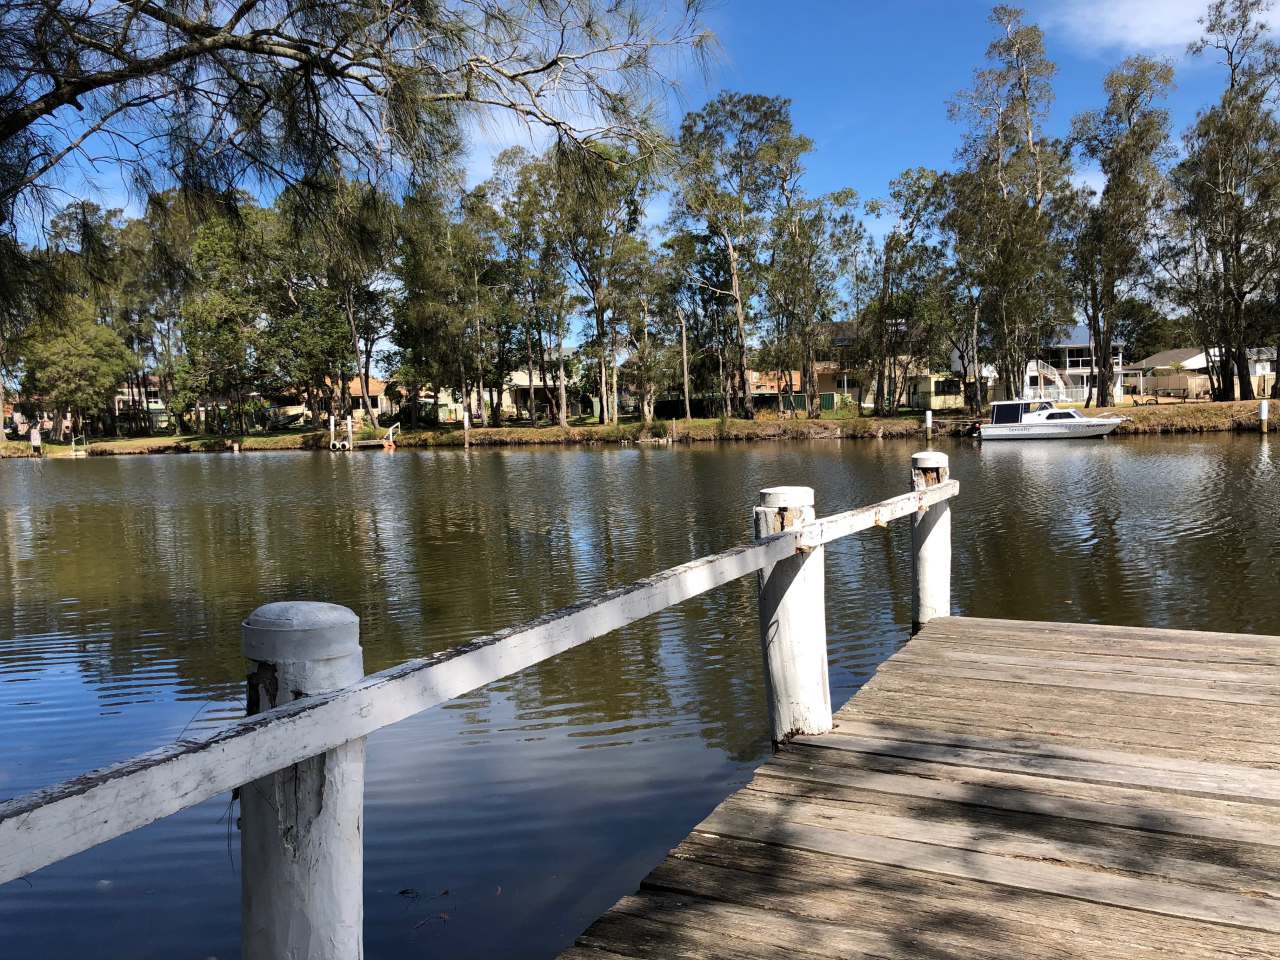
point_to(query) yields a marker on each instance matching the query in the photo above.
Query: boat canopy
(1012, 411)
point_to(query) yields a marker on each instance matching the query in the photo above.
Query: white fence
(298, 757)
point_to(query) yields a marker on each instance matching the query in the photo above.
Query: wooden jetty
(999, 789)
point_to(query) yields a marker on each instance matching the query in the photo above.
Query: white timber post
(793, 624)
(1263, 411)
(930, 544)
(351, 434)
(333, 432)
(928, 424)
(301, 828)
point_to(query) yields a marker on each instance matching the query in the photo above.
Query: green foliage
(79, 368)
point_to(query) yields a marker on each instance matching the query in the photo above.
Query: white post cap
(786, 497)
(300, 630)
(928, 460)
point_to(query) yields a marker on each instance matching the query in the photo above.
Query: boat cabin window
(1061, 415)
(1006, 413)
(1034, 407)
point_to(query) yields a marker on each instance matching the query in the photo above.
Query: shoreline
(1241, 416)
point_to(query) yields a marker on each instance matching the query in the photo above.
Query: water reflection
(504, 822)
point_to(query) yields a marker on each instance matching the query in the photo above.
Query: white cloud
(1145, 26)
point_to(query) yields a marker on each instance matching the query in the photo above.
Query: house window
(947, 388)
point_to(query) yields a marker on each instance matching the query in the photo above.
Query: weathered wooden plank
(931, 700)
(1123, 641)
(63, 820)
(1192, 777)
(864, 518)
(946, 914)
(852, 729)
(1240, 868)
(1214, 690)
(1001, 696)
(670, 925)
(924, 694)
(1144, 817)
(1265, 818)
(1152, 896)
(1116, 635)
(926, 651)
(1123, 733)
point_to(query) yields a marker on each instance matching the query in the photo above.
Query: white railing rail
(303, 888)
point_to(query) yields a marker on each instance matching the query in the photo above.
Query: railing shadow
(725, 895)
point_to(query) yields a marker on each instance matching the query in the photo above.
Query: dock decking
(999, 789)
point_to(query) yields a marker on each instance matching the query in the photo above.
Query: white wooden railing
(298, 757)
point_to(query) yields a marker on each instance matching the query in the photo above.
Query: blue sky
(870, 82)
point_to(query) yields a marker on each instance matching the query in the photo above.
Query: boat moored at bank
(1043, 420)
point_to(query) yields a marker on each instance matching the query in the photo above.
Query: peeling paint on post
(793, 624)
(301, 828)
(930, 544)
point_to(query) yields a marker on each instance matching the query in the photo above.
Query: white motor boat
(1043, 420)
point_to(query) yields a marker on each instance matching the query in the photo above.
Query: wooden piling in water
(301, 828)
(930, 544)
(1262, 415)
(793, 627)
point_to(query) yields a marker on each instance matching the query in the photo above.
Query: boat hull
(1051, 430)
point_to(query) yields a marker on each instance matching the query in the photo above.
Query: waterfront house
(141, 399)
(382, 398)
(1184, 372)
(1072, 359)
(935, 391)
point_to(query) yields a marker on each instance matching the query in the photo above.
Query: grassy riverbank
(1191, 417)
(1166, 418)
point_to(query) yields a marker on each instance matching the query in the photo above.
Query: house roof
(1167, 358)
(376, 387)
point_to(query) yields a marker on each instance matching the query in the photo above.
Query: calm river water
(502, 824)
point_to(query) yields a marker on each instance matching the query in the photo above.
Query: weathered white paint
(930, 543)
(928, 424)
(301, 828)
(1263, 412)
(793, 626)
(841, 525)
(55, 823)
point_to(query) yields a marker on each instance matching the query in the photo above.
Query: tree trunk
(740, 312)
(528, 345)
(684, 363)
(1227, 373)
(1242, 373)
(362, 361)
(613, 374)
(561, 387)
